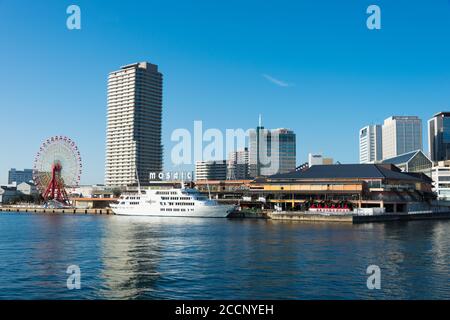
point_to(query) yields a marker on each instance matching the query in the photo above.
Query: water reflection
(130, 257)
(133, 248)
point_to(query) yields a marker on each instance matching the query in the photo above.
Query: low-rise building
(7, 194)
(441, 180)
(314, 159)
(27, 188)
(92, 203)
(361, 185)
(91, 191)
(223, 189)
(318, 159)
(373, 186)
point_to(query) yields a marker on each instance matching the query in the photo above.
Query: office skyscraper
(19, 176)
(401, 134)
(370, 144)
(287, 150)
(439, 137)
(254, 136)
(211, 170)
(238, 165)
(271, 151)
(133, 138)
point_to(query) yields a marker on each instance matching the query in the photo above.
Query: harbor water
(193, 258)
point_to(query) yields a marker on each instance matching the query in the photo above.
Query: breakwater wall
(56, 210)
(308, 217)
(357, 219)
(286, 216)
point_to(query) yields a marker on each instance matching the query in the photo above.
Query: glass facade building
(19, 176)
(271, 151)
(400, 135)
(439, 137)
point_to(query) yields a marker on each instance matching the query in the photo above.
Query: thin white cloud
(278, 82)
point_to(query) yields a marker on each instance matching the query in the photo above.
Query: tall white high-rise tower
(133, 137)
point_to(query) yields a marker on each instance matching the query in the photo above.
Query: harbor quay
(349, 193)
(32, 209)
(294, 216)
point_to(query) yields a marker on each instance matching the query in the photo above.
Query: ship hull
(219, 211)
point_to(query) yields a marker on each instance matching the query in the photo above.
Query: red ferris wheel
(57, 166)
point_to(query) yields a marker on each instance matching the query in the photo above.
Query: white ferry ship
(184, 202)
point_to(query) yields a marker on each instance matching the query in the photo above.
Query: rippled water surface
(182, 258)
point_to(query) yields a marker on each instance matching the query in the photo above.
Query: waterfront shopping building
(357, 185)
(414, 161)
(133, 139)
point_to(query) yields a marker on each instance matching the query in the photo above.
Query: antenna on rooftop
(260, 120)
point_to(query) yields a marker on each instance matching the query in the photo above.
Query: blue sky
(311, 66)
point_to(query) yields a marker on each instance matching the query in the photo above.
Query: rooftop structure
(414, 161)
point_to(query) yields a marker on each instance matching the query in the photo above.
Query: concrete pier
(402, 217)
(246, 214)
(357, 219)
(102, 211)
(307, 217)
